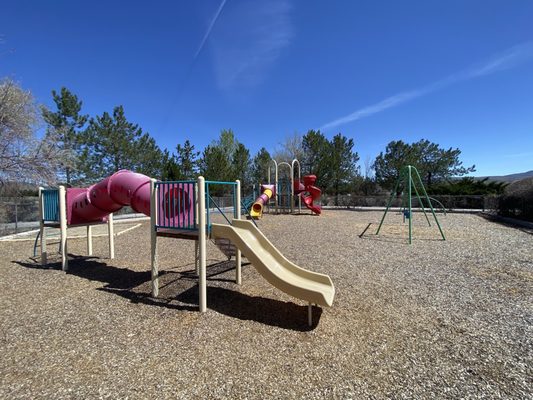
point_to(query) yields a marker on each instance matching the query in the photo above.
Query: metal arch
(290, 172)
(285, 163)
(293, 163)
(275, 182)
(442, 205)
(275, 171)
(276, 165)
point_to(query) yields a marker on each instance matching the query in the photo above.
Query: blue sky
(459, 73)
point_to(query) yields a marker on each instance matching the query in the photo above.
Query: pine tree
(66, 126)
(113, 143)
(187, 160)
(170, 169)
(147, 157)
(433, 162)
(260, 165)
(241, 167)
(343, 165)
(317, 159)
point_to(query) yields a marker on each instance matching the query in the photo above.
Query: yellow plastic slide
(256, 212)
(273, 266)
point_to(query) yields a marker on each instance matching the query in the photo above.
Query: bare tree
(289, 149)
(23, 156)
(369, 169)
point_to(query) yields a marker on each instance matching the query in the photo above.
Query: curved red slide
(314, 193)
(93, 204)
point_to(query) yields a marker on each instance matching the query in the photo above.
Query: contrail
(209, 29)
(183, 82)
(510, 58)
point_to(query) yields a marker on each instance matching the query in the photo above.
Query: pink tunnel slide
(123, 188)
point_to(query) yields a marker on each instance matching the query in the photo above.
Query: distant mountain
(509, 178)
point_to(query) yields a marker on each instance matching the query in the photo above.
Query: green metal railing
(209, 200)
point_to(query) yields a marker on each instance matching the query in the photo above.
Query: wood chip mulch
(435, 319)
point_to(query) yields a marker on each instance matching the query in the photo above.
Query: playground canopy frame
(291, 168)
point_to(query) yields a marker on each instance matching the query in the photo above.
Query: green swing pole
(421, 204)
(430, 205)
(410, 211)
(388, 205)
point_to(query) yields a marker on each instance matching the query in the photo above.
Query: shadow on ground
(524, 226)
(179, 291)
(397, 239)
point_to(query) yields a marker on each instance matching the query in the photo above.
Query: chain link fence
(19, 214)
(450, 203)
(517, 206)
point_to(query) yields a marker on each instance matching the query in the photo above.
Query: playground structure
(284, 196)
(179, 210)
(284, 192)
(71, 207)
(408, 181)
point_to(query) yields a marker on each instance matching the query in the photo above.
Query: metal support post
(430, 205)
(42, 228)
(238, 256)
(202, 281)
(63, 227)
(111, 236)
(410, 182)
(89, 240)
(153, 238)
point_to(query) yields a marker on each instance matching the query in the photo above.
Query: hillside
(522, 187)
(509, 178)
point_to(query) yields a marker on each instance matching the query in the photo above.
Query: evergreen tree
(343, 165)
(260, 165)
(317, 157)
(66, 125)
(187, 160)
(436, 164)
(225, 159)
(113, 143)
(227, 143)
(214, 165)
(170, 168)
(468, 186)
(148, 158)
(241, 167)
(433, 163)
(388, 165)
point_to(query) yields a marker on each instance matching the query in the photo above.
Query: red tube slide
(309, 193)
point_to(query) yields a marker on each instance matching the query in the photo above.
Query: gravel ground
(437, 319)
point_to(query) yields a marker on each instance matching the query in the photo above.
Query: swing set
(409, 181)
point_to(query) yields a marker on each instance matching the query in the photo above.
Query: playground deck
(442, 319)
